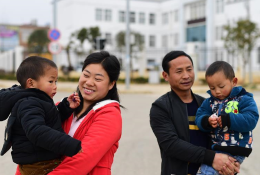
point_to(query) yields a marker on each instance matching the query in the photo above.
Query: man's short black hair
(218, 66)
(33, 67)
(170, 56)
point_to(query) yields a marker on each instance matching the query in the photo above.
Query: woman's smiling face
(94, 83)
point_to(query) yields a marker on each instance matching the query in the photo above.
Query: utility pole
(127, 41)
(54, 2)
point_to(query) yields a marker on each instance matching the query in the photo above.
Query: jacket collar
(193, 95)
(104, 103)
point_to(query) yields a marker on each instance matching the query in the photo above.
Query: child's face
(219, 85)
(47, 82)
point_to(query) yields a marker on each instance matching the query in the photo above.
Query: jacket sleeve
(203, 112)
(169, 141)
(32, 118)
(64, 109)
(103, 133)
(247, 117)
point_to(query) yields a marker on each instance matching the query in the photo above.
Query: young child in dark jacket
(34, 129)
(230, 114)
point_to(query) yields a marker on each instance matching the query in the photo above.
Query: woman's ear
(111, 85)
(29, 83)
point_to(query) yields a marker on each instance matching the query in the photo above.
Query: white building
(195, 26)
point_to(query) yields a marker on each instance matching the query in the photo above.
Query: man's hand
(225, 164)
(74, 100)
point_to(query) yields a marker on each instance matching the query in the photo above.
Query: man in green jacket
(182, 144)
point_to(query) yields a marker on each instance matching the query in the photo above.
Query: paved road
(138, 150)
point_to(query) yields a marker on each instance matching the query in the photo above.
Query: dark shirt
(197, 137)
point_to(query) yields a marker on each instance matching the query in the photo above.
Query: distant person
(182, 144)
(34, 129)
(229, 115)
(97, 121)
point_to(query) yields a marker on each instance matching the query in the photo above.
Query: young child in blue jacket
(229, 115)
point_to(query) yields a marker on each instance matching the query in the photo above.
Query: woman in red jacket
(97, 122)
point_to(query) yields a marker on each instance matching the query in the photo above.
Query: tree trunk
(68, 57)
(250, 67)
(244, 66)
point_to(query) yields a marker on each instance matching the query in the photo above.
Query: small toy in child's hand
(214, 115)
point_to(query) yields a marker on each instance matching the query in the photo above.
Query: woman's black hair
(112, 66)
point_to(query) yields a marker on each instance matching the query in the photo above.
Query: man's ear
(29, 83)
(165, 75)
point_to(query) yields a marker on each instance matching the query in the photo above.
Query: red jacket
(99, 134)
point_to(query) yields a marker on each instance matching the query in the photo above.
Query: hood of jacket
(9, 96)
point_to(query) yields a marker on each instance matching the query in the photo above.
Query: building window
(143, 39)
(141, 18)
(219, 6)
(151, 63)
(176, 15)
(132, 17)
(176, 39)
(164, 41)
(152, 41)
(108, 38)
(98, 14)
(219, 33)
(108, 15)
(121, 16)
(197, 33)
(165, 18)
(152, 18)
(197, 10)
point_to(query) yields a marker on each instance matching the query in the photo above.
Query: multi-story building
(195, 26)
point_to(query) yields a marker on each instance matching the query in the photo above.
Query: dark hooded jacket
(34, 129)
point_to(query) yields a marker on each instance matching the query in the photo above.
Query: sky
(24, 11)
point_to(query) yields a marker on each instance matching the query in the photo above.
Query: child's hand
(74, 100)
(213, 120)
(219, 121)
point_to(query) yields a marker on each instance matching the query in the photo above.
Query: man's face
(181, 74)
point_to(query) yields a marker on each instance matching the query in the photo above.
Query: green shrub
(7, 77)
(140, 80)
(70, 79)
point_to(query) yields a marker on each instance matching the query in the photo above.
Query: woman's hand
(74, 100)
